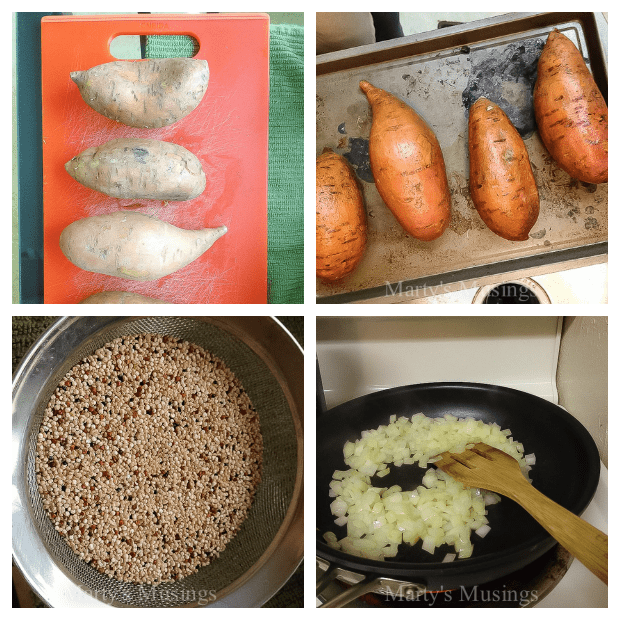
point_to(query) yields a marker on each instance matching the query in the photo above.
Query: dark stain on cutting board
(507, 78)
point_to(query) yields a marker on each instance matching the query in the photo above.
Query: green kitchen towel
(286, 160)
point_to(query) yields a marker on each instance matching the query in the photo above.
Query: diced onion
(428, 544)
(491, 498)
(339, 507)
(440, 511)
(466, 552)
(329, 537)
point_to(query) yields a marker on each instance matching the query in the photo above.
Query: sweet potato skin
(134, 246)
(501, 182)
(120, 297)
(341, 229)
(570, 111)
(408, 166)
(139, 168)
(148, 93)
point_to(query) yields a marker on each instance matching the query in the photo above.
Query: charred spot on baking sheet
(507, 77)
(359, 159)
(589, 187)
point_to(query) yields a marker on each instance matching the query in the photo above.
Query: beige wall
(582, 375)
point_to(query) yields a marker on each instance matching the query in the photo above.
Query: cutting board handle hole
(135, 47)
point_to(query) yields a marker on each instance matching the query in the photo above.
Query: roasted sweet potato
(120, 297)
(134, 246)
(408, 166)
(571, 113)
(340, 218)
(139, 168)
(501, 182)
(146, 93)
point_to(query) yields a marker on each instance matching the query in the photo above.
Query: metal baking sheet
(440, 74)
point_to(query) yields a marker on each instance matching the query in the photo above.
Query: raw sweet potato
(571, 113)
(408, 166)
(501, 182)
(340, 218)
(134, 246)
(147, 93)
(120, 297)
(139, 168)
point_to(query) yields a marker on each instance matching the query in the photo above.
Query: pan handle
(346, 596)
(367, 584)
(321, 406)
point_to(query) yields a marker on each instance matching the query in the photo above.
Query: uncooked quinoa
(148, 458)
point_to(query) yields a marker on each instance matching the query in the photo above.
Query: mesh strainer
(269, 545)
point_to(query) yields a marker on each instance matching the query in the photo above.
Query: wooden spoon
(489, 468)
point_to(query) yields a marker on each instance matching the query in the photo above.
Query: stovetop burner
(523, 588)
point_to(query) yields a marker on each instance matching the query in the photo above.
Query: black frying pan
(567, 470)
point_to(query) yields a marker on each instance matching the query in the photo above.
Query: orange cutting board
(228, 133)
